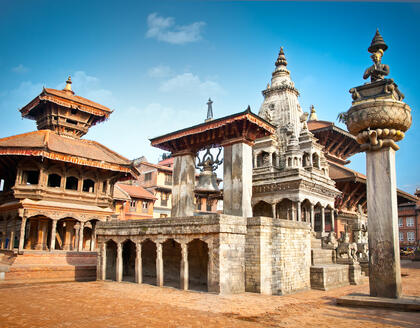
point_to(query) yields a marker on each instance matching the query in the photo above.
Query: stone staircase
(47, 266)
(325, 273)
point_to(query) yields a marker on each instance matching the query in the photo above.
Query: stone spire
(209, 111)
(281, 106)
(67, 88)
(313, 116)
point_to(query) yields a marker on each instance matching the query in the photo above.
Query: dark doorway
(198, 258)
(148, 260)
(111, 260)
(129, 261)
(171, 254)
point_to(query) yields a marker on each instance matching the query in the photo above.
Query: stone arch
(289, 162)
(171, 255)
(306, 160)
(111, 260)
(295, 162)
(38, 232)
(65, 238)
(88, 185)
(148, 260)
(328, 218)
(284, 209)
(274, 159)
(262, 208)
(315, 160)
(318, 217)
(306, 211)
(198, 259)
(129, 260)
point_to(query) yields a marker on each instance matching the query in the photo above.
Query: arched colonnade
(183, 264)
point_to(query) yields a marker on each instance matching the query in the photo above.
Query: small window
(30, 177)
(199, 203)
(72, 183)
(410, 236)
(400, 222)
(401, 236)
(168, 179)
(88, 185)
(54, 180)
(133, 205)
(104, 186)
(1, 184)
(409, 222)
(145, 206)
(148, 176)
(71, 121)
(208, 205)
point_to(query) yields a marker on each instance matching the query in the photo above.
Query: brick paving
(109, 304)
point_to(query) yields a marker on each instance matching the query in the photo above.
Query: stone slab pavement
(110, 304)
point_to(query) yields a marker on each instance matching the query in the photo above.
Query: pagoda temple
(55, 185)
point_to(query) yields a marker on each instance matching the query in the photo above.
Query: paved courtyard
(110, 304)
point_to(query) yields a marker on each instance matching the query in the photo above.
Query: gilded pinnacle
(68, 85)
(313, 116)
(281, 60)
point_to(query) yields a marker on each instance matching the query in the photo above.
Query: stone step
(62, 258)
(328, 276)
(321, 256)
(316, 243)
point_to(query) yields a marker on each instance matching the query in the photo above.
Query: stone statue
(330, 241)
(377, 71)
(347, 250)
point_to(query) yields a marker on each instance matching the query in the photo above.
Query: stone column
(119, 264)
(3, 240)
(332, 220)
(80, 246)
(255, 160)
(53, 234)
(273, 206)
(183, 185)
(312, 217)
(68, 235)
(41, 243)
(298, 211)
(12, 235)
(75, 244)
(93, 239)
(159, 265)
(270, 159)
(22, 235)
(139, 268)
(293, 212)
(103, 263)
(32, 238)
(237, 179)
(184, 267)
(322, 219)
(384, 257)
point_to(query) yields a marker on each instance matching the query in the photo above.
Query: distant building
(409, 222)
(133, 202)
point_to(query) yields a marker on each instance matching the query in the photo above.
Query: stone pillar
(119, 264)
(237, 179)
(93, 239)
(22, 234)
(384, 257)
(32, 238)
(183, 185)
(332, 220)
(103, 261)
(41, 242)
(139, 268)
(12, 235)
(270, 159)
(76, 236)
(293, 212)
(184, 267)
(159, 265)
(273, 206)
(255, 160)
(68, 235)
(80, 246)
(298, 211)
(53, 234)
(4, 236)
(312, 217)
(322, 219)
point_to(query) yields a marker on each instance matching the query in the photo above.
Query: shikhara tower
(290, 177)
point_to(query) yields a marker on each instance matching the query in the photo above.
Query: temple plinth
(236, 133)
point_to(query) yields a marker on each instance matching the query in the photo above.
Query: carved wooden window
(409, 222)
(54, 180)
(104, 186)
(133, 205)
(145, 206)
(410, 236)
(148, 176)
(401, 236)
(30, 177)
(72, 183)
(168, 179)
(208, 205)
(400, 222)
(88, 185)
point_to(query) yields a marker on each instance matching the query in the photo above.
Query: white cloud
(160, 71)
(164, 29)
(20, 69)
(190, 83)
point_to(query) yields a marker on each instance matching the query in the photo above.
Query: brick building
(409, 222)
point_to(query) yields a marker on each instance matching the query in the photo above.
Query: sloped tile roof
(136, 191)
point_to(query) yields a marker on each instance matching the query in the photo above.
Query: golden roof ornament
(67, 88)
(313, 116)
(377, 71)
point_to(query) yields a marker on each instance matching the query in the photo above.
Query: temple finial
(68, 85)
(313, 116)
(209, 110)
(281, 60)
(377, 43)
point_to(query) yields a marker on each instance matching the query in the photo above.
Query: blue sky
(157, 62)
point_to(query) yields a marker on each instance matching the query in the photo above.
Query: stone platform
(54, 266)
(405, 303)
